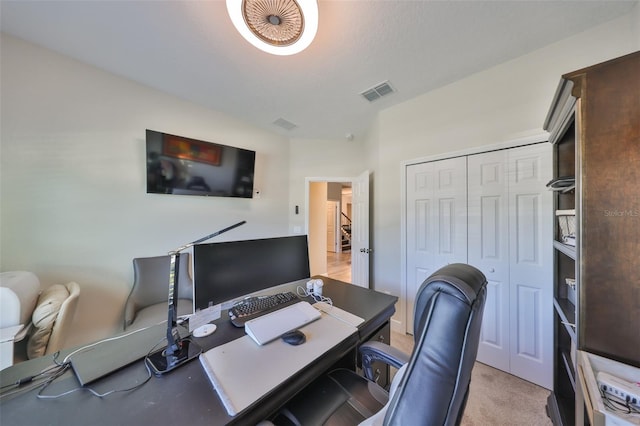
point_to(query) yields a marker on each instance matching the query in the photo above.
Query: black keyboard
(255, 307)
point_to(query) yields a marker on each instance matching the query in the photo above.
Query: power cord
(319, 298)
(88, 389)
(51, 373)
(618, 405)
(120, 336)
(33, 381)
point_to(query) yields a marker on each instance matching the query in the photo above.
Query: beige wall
(320, 158)
(74, 203)
(74, 206)
(503, 103)
(318, 228)
(507, 102)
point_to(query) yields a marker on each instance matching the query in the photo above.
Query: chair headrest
(457, 279)
(448, 317)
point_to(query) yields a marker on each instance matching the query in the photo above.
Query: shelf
(570, 370)
(567, 313)
(566, 249)
(604, 292)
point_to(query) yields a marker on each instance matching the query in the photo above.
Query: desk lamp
(177, 351)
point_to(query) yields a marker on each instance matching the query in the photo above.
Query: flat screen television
(184, 166)
(230, 270)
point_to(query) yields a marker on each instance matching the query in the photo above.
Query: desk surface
(186, 394)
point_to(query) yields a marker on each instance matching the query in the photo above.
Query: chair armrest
(378, 351)
(8, 334)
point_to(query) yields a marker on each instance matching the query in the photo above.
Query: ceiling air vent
(281, 122)
(378, 91)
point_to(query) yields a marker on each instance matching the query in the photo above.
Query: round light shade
(279, 27)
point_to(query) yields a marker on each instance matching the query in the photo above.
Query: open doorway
(337, 224)
(330, 229)
(339, 227)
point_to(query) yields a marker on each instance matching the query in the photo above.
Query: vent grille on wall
(281, 122)
(378, 91)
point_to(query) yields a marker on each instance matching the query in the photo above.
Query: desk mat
(242, 372)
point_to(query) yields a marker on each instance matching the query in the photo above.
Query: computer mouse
(294, 337)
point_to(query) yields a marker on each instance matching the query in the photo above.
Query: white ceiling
(191, 50)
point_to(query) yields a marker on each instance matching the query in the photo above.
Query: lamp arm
(174, 352)
(215, 234)
(173, 337)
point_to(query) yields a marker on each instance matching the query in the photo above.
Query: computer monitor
(230, 270)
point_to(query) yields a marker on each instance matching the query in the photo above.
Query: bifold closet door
(488, 250)
(531, 264)
(508, 225)
(436, 221)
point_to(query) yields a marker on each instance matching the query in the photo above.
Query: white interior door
(505, 218)
(360, 250)
(508, 230)
(436, 221)
(531, 260)
(488, 220)
(332, 227)
(358, 206)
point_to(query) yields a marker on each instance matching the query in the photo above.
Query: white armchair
(19, 292)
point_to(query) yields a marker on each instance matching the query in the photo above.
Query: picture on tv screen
(184, 166)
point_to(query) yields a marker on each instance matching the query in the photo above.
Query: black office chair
(431, 386)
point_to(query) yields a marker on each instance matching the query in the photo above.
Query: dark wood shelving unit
(561, 123)
(593, 126)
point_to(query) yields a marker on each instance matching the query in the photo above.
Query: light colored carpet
(496, 398)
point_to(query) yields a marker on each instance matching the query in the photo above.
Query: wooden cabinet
(594, 125)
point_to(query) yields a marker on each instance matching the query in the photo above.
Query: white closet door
(531, 260)
(506, 213)
(508, 225)
(488, 220)
(436, 221)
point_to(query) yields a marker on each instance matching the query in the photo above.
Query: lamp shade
(279, 27)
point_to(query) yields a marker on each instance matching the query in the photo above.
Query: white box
(588, 367)
(567, 224)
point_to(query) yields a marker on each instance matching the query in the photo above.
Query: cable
(67, 364)
(84, 348)
(55, 371)
(303, 292)
(88, 389)
(618, 406)
(32, 381)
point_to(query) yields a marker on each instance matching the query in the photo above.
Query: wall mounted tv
(184, 166)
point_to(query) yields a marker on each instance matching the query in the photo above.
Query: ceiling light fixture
(279, 27)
